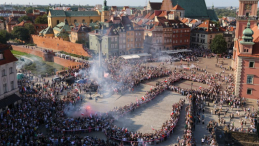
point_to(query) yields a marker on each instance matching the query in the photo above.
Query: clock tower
(247, 10)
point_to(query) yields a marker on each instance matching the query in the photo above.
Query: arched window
(91, 20)
(75, 21)
(83, 21)
(57, 21)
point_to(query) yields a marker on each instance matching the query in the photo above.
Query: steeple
(212, 6)
(247, 37)
(105, 8)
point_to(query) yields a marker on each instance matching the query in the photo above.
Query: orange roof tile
(184, 20)
(163, 14)
(178, 7)
(193, 21)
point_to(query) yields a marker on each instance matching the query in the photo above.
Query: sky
(217, 3)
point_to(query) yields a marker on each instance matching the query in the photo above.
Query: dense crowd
(41, 117)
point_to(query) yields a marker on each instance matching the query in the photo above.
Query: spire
(60, 5)
(248, 34)
(105, 8)
(212, 6)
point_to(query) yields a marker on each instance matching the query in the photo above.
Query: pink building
(246, 50)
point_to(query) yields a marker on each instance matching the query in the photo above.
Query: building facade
(8, 84)
(204, 33)
(245, 59)
(72, 17)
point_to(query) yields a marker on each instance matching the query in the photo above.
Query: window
(12, 85)
(57, 21)
(1, 56)
(3, 72)
(250, 79)
(83, 21)
(249, 91)
(10, 70)
(251, 64)
(5, 88)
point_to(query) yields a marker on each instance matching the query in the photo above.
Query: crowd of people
(42, 117)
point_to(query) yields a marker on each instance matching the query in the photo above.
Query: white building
(8, 78)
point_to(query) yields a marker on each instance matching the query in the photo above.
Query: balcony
(246, 18)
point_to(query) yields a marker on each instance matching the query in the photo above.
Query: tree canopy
(4, 36)
(224, 12)
(29, 10)
(21, 33)
(42, 19)
(30, 27)
(218, 45)
(24, 18)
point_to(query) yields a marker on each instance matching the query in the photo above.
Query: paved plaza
(156, 112)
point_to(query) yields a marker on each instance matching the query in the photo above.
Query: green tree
(30, 27)
(218, 45)
(4, 36)
(29, 10)
(21, 33)
(42, 19)
(24, 18)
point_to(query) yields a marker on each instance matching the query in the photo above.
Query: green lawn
(39, 66)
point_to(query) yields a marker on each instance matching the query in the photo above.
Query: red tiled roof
(178, 7)
(37, 11)
(19, 12)
(23, 22)
(131, 17)
(8, 56)
(172, 12)
(184, 20)
(152, 16)
(246, 55)
(163, 14)
(193, 21)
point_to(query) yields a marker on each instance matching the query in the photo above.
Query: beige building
(80, 34)
(203, 34)
(72, 17)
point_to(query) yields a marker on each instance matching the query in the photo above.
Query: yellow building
(105, 12)
(72, 17)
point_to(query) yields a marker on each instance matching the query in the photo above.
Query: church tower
(246, 44)
(247, 11)
(105, 12)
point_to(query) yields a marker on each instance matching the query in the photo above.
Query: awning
(9, 100)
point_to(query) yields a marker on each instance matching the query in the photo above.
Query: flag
(143, 98)
(152, 127)
(8, 111)
(165, 81)
(105, 75)
(200, 87)
(82, 114)
(91, 115)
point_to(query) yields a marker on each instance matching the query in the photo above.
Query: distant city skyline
(216, 3)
